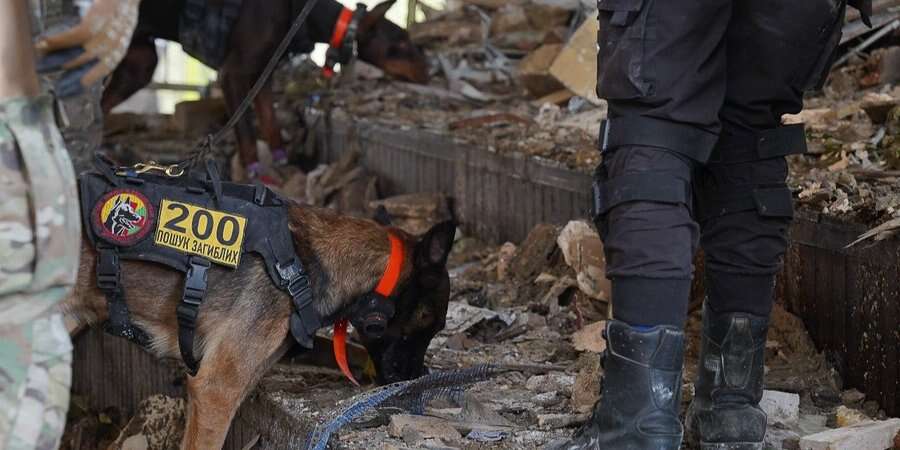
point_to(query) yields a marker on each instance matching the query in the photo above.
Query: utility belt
(188, 223)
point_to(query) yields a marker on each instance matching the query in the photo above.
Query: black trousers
(694, 150)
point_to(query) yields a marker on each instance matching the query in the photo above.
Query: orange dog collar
(385, 288)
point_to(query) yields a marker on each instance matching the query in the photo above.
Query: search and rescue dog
(243, 326)
(238, 37)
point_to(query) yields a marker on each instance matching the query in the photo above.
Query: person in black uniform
(694, 153)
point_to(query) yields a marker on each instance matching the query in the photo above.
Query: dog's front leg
(232, 364)
(264, 106)
(236, 84)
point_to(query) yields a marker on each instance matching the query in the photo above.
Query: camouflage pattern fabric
(40, 236)
(35, 376)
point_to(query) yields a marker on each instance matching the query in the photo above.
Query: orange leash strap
(340, 349)
(385, 287)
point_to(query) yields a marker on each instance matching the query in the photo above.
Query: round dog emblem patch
(123, 217)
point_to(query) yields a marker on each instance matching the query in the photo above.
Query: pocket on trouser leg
(745, 211)
(41, 413)
(621, 44)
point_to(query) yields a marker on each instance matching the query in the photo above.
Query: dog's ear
(382, 216)
(372, 17)
(434, 248)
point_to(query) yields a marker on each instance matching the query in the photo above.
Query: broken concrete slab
(582, 250)
(845, 417)
(869, 435)
(534, 71)
(590, 338)
(576, 65)
(421, 427)
(780, 407)
(538, 251)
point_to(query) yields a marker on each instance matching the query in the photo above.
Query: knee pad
(748, 173)
(659, 186)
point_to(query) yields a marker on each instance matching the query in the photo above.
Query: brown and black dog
(251, 41)
(243, 326)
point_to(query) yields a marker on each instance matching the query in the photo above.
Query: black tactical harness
(123, 220)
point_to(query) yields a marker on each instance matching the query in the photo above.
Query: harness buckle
(171, 171)
(108, 274)
(195, 282)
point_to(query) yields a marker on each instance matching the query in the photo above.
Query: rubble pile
(521, 307)
(519, 77)
(535, 311)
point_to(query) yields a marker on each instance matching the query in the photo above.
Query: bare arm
(17, 69)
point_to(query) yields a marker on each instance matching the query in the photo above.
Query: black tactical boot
(638, 407)
(725, 413)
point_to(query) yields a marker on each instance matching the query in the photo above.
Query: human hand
(92, 49)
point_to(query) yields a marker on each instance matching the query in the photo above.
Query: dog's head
(122, 217)
(388, 46)
(413, 314)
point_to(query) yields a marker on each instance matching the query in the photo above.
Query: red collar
(340, 28)
(337, 38)
(386, 286)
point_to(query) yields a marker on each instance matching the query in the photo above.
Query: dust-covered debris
(158, 424)
(867, 434)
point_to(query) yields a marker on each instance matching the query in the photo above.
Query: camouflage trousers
(35, 375)
(40, 237)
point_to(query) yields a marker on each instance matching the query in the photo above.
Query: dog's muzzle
(372, 314)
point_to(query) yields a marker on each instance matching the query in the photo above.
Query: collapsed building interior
(503, 139)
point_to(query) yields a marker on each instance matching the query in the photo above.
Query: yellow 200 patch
(215, 235)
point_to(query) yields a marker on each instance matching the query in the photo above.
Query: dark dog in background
(243, 327)
(251, 40)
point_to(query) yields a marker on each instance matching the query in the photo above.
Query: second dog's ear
(382, 216)
(372, 17)
(434, 248)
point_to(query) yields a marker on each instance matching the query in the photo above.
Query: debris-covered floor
(533, 309)
(537, 318)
